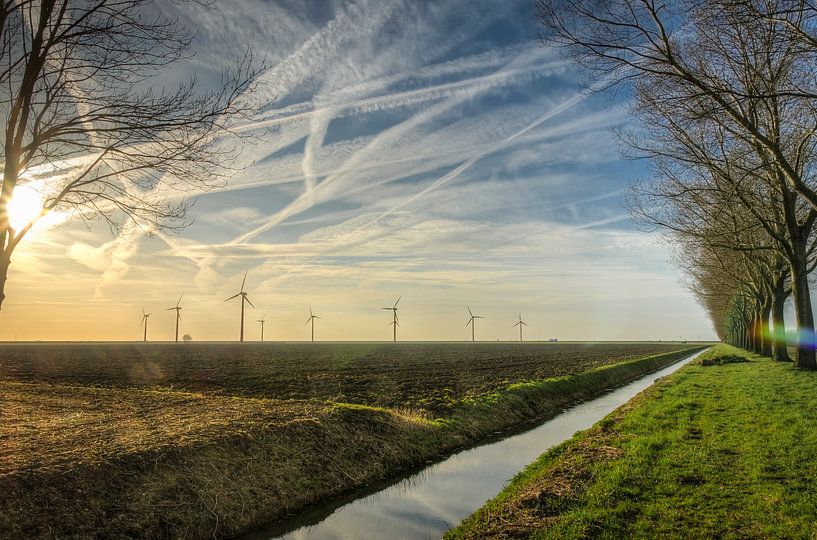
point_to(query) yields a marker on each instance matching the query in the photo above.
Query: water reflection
(429, 502)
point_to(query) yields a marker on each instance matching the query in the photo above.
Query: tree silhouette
(84, 125)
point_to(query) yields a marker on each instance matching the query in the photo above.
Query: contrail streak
(448, 177)
(384, 139)
(410, 97)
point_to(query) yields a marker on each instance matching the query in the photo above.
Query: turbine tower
(262, 321)
(244, 298)
(145, 324)
(395, 323)
(311, 319)
(472, 323)
(520, 324)
(178, 309)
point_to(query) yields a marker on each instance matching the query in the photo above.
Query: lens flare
(25, 206)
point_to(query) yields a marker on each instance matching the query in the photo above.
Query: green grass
(712, 451)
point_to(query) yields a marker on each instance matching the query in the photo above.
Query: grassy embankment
(116, 461)
(709, 452)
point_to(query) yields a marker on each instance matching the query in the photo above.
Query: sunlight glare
(25, 205)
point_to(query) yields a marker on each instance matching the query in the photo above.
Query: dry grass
(54, 427)
(554, 490)
(89, 462)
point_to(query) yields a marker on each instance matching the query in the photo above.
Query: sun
(25, 206)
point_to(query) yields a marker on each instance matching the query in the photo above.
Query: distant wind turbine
(311, 319)
(520, 324)
(395, 323)
(472, 323)
(262, 321)
(244, 298)
(145, 323)
(178, 309)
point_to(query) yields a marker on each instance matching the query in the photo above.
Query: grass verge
(718, 450)
(123, 462)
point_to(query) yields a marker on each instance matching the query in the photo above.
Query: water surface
(437, 498)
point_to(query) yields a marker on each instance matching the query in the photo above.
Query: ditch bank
(228, 484)
(720, 449)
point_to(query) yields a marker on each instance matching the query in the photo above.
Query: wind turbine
(395, 323)
(178, 309)
(145, 323)
(472, 323)
(311, 319)
(244, 298)
(520, 324)
(262, 321)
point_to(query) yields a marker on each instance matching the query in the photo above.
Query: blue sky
(434, 150)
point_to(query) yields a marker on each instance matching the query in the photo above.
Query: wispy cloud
(429, 149)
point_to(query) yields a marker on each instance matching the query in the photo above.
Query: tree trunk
(5, 262)
(763, 328)
(749, 332)
(779, 350)
(7, 184)
(802, 308)
(754, 327)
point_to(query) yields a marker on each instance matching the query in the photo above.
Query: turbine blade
(248, 301)
(233, 296)
(243, 281)
(307, 321)
(179, 300)
(398, 301)
(143, 310)
(469, 312)
(388, 308)
(310, 311)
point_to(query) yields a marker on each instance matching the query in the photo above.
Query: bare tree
(85, 126)
(725, 83)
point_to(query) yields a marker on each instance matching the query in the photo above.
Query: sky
(431, 150)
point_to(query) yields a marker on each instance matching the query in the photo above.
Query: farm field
(720, 449)
(427, 376)
(211, 439)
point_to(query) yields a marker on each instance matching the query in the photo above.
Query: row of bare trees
(725, 98)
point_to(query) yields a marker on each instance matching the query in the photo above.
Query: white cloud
(110, 259)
